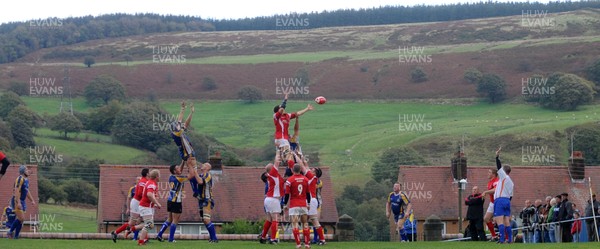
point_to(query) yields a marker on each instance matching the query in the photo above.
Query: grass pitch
(101, 244)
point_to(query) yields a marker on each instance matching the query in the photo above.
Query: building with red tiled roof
(6, 192)
(432, 190)
(238, 194)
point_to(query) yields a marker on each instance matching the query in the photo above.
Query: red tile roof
(6, 188)
(238, 191)
(431, 189)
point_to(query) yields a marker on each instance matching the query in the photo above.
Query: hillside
(343, 62)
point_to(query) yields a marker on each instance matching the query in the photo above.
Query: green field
(350, 135)
(91, 244)
(110, 153)
(65, 219)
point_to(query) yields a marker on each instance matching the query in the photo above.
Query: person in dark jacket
(475, 214)
(592, 209)
(565, 213)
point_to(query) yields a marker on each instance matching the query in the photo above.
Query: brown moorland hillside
(344, 62)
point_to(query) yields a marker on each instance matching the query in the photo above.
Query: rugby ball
(320, 100)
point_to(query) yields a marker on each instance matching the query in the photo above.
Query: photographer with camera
(527, 215)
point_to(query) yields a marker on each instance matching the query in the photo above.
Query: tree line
(21, 38)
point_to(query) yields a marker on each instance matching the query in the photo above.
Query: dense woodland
(17, 39)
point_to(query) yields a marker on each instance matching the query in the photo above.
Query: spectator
(527, 215)
(475, 214)
(410, 227)
(544, 211)
(550, 220)
(514, 226)
(565, 214)
(576, 228)
(589, 214)
(536, 220)
(556, 219)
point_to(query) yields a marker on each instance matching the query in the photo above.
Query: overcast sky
(22, 10)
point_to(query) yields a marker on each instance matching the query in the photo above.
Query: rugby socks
(490, 227)
(172, 230)
(321, 233)
(509, 234)
(402, 233)
(266, 228)
(501, 231)
(273, 229)
(296, 233)
(135, 234)
(163, 228)
(18, 228)
(211, 231)
(306, 233)
(121, 228)
(315, 235)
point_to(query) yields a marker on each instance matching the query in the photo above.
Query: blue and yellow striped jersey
(176, 185)
(206, 188)
(398, 202)
(21, 183)
(132, 191)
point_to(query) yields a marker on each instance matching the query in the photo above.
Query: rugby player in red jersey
(297, 199)
(147, 204)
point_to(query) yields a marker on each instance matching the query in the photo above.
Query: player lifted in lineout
(281, 119)
(178, 133)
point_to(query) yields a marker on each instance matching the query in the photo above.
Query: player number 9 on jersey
(299, 189)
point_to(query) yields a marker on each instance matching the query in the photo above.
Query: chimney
(577, 166)
(216, 161)
(459, 166)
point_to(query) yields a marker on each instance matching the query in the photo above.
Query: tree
(208, 84)
(48, 190)
(22, 133)
(102, 119)
(88, 170)
(587, 140)
(27, 115)
(136, 125)
(8, 102)
(103, 89)
(593, 72)
(6, 135)
(19, 88)
(303, 76)
(389, 163)
(493, 86)
(418, 75)
(80, 191)
(250, 94)
(65, 123)
(127, 58)
(352, 192)
(570, 91)
(89, 61)
(472, 75)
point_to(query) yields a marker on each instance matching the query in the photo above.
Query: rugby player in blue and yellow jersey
(399, 204)
(17, 203)
(178, 134)
(202, 185)
(174, 202)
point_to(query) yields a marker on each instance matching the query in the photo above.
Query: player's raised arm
(277, 160)
(181, 112)
(192, 172)
(189, 118)
(498, 163)
(297, 127)
(309, 107)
